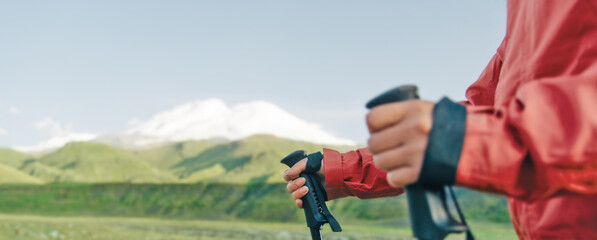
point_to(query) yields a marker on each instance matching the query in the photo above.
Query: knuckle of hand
(420, 105)
(299, 183)
(394, 181)
(420, 125)
(411, 176)
(370, 119)
(380, 163)
(424, 125)
(372, 143)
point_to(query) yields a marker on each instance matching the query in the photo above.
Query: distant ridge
(252, 159)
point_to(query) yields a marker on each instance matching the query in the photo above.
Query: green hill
(234, 180)
(47, 173)
(12, 175)
(93, 162)
(165, 157)
(12, 158)
(253, 159)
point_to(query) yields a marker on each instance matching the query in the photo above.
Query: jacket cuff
(334, 180)
(444, 145)
(492, 158)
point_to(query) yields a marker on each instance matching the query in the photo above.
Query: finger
(299, 203)
(403, 176)
(295, 184)
(399, 156)
(295, 170)
(386, 115)
(388, 138)
(397, 135)
(301, 192)
(401, 133)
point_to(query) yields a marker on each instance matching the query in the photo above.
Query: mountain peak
(212, 118)
(202, 120)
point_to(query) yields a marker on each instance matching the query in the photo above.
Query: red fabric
(353, 174)
(531, 130)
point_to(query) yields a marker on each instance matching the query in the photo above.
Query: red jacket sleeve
(354, 174)
(539, 137)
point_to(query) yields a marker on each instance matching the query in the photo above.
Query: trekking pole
(316, 211)
(430, 217)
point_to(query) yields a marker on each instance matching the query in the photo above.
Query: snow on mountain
(197, 120)
(60, 134)
(56, 142)
(212, 118)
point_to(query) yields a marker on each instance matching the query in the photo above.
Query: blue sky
(94, 65)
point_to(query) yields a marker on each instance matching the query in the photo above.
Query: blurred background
(167, 119)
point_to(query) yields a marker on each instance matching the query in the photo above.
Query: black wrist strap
(313, 165)
(314, 162)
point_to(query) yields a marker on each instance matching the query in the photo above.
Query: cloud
(133, 122)
(53, 127)
(56, 142)
(14, 110)
(3, 132)
(59, 136)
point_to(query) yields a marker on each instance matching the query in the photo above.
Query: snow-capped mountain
(212, 118)
(197, 120)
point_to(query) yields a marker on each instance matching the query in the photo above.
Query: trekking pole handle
(316, 211)
(429, 215)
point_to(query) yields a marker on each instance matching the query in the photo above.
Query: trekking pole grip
(428, 208)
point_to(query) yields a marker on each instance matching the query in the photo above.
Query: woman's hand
(296, 185)
(399, 135)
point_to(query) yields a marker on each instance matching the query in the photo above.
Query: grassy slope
(12, 175)
(47, 173)
(164, 157)
(93, 162)
(253, 159)
(12, 158)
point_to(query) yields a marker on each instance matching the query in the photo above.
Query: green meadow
(192, 190)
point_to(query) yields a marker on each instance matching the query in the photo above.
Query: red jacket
(531, 125)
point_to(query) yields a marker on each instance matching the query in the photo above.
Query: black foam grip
(294, 158)
(402, 93)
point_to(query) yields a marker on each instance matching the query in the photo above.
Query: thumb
(294, 172)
